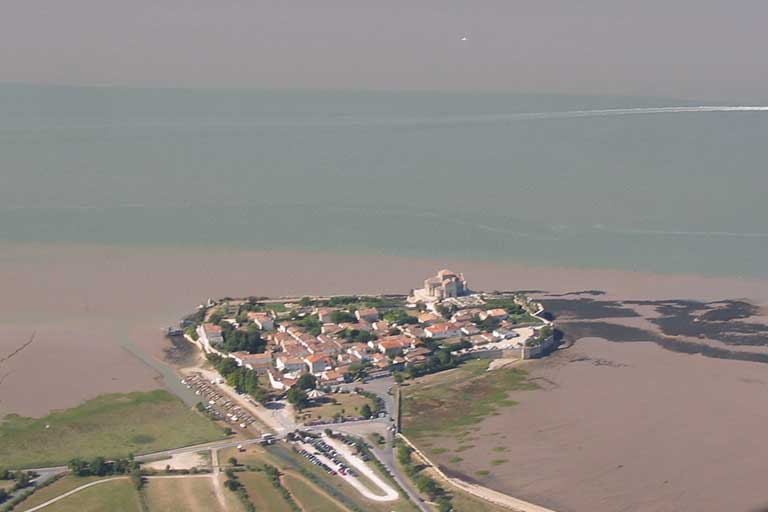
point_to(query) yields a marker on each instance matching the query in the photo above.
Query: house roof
(316, 358)
(212, 328)
(442, 327)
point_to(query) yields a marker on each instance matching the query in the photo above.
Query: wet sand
(90, 304)
(631, 427)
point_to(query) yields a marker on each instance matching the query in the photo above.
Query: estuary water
(619, 183)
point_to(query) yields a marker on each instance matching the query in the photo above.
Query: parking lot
(216, 404)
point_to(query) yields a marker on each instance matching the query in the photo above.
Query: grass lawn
(115, 496)
(446, 402)
(524, 318)
(194, 494)
(310, 497)
(110, 425)
(348, 404)
(253, 455)
(262, 493)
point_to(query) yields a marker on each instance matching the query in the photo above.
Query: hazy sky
(680, 48)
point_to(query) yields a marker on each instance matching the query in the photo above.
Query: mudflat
(94, 308)
(627, 426)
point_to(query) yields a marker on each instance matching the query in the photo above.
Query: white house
(442, 330)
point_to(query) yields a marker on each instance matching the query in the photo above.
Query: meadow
(113, 425)
(447, 402)
(115, 496)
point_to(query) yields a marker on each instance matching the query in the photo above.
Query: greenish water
(458, 175)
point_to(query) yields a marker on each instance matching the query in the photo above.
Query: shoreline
(75, 296)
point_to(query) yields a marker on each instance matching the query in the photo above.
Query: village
(339, 339)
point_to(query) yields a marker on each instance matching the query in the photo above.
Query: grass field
(57, 488)
(309, 497)
(348, 404)
(110, 425)
(262, 493)
(116, 496)
(195, 494)
(446, 402)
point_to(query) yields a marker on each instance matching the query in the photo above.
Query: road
(382, 426)
(361, 428)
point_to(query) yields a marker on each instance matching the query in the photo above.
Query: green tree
(365, 411)
(306, 381)
(297, 397)
(136, 478)
(78, 467)
(98, 466)
(340, 317)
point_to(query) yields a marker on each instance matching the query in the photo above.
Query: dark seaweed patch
(587, 308)
(611, 332)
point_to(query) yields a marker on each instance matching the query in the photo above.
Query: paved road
(385, 454)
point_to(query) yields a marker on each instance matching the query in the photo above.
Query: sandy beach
(87, 303)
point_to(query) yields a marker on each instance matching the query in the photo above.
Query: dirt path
(217, 479)
(73, 491)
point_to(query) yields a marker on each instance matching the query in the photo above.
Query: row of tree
(424, 483)
(99, 466)
(23, 479)
(240, 378)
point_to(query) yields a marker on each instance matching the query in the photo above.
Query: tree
(216, 317)
(98, 466)
(341, 317)
(78, 467)
(306, 381)
(428, 486)
(136, 478)
(232, 461)
(365, 411)
(3, 495)
(22, 480)
(297, 397)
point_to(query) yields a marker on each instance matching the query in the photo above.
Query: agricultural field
(111, 425)
(192, 494)
(262, 493)
(309, 497)
(115, 496)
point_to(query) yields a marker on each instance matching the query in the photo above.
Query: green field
(57, 488)
(116, 496)
(110, 425)
(448, 401)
